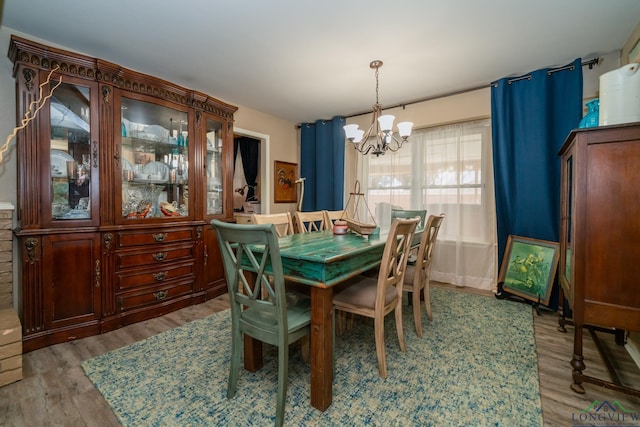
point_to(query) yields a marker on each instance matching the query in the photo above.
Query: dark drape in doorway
(250, 153)
(322, 164)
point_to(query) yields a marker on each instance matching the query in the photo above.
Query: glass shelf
(155, 161)
(214, 167)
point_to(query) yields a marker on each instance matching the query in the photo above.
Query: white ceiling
(305, 60)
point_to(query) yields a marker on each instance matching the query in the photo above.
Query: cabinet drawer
(153, 237)
(129, 279)
(156, 295)
(156, 255)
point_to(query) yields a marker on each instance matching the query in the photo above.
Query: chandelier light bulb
(404, 129)
(352, 132)
(386, 122)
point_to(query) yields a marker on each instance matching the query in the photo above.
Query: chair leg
(380, 352)
(283, 374)
(427, 298)
(305, 348)
(398, 313)
(234, 368)
(333, 347)
(349, 321)
(417, 316)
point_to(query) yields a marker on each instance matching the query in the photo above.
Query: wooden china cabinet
(600, 237)
(118, 178)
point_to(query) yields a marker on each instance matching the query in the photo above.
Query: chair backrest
(428, 240)
(332, 216)
(395, 255)
(402, 213)
(282, 221)
(267, 294)
(310, 221)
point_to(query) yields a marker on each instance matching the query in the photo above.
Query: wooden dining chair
(310, 221)
(332, 216)
(271, 319)
(282, 221)
(375, 298)
(416, 278)
(406, 213)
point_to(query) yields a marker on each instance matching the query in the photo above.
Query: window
(444, 169)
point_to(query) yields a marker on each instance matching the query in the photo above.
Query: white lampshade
(350, 131)
(404, 128)
(386, 122)
(359, 135)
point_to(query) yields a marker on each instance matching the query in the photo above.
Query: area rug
(476, 365)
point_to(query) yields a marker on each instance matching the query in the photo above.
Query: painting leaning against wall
(529, 267)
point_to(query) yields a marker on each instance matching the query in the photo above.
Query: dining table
(322, 260)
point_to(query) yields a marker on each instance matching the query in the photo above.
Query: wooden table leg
(321, 347)
(252, 354)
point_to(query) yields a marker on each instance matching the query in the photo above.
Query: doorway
(261, 190)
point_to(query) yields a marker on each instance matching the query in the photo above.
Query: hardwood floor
(55, 392)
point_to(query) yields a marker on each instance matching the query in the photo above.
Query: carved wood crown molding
(29, 53)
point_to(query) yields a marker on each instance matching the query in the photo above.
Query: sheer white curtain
(445, 169)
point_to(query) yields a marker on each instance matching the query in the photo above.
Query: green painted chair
(402, 213)
(259, 308)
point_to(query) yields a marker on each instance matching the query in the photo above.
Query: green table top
(325, 259)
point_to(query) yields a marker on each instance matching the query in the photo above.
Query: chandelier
(380, 137)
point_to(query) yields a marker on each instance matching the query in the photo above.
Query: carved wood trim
(29, 75)
(106, 92)
(40, 56)
(108, 238)
(31, 245)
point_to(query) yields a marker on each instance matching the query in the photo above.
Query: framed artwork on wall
(285, 190)
(529, 268)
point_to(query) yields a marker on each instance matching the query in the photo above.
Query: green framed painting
(529, 267)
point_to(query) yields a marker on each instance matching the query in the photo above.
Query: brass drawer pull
(160, 276)
(98, 273)
(160, 295)
(160, 256)
(160, 237)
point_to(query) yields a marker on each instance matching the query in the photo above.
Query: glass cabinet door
(214, 167)
(154, 161)
(74, 157)
(568, 237)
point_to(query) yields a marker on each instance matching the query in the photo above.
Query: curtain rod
(589, 63)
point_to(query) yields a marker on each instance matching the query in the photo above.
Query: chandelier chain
(377, 70)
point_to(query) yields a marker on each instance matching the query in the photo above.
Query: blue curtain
(322, 164)
(531, 116)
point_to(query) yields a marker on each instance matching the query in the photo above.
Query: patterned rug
(476, 365)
